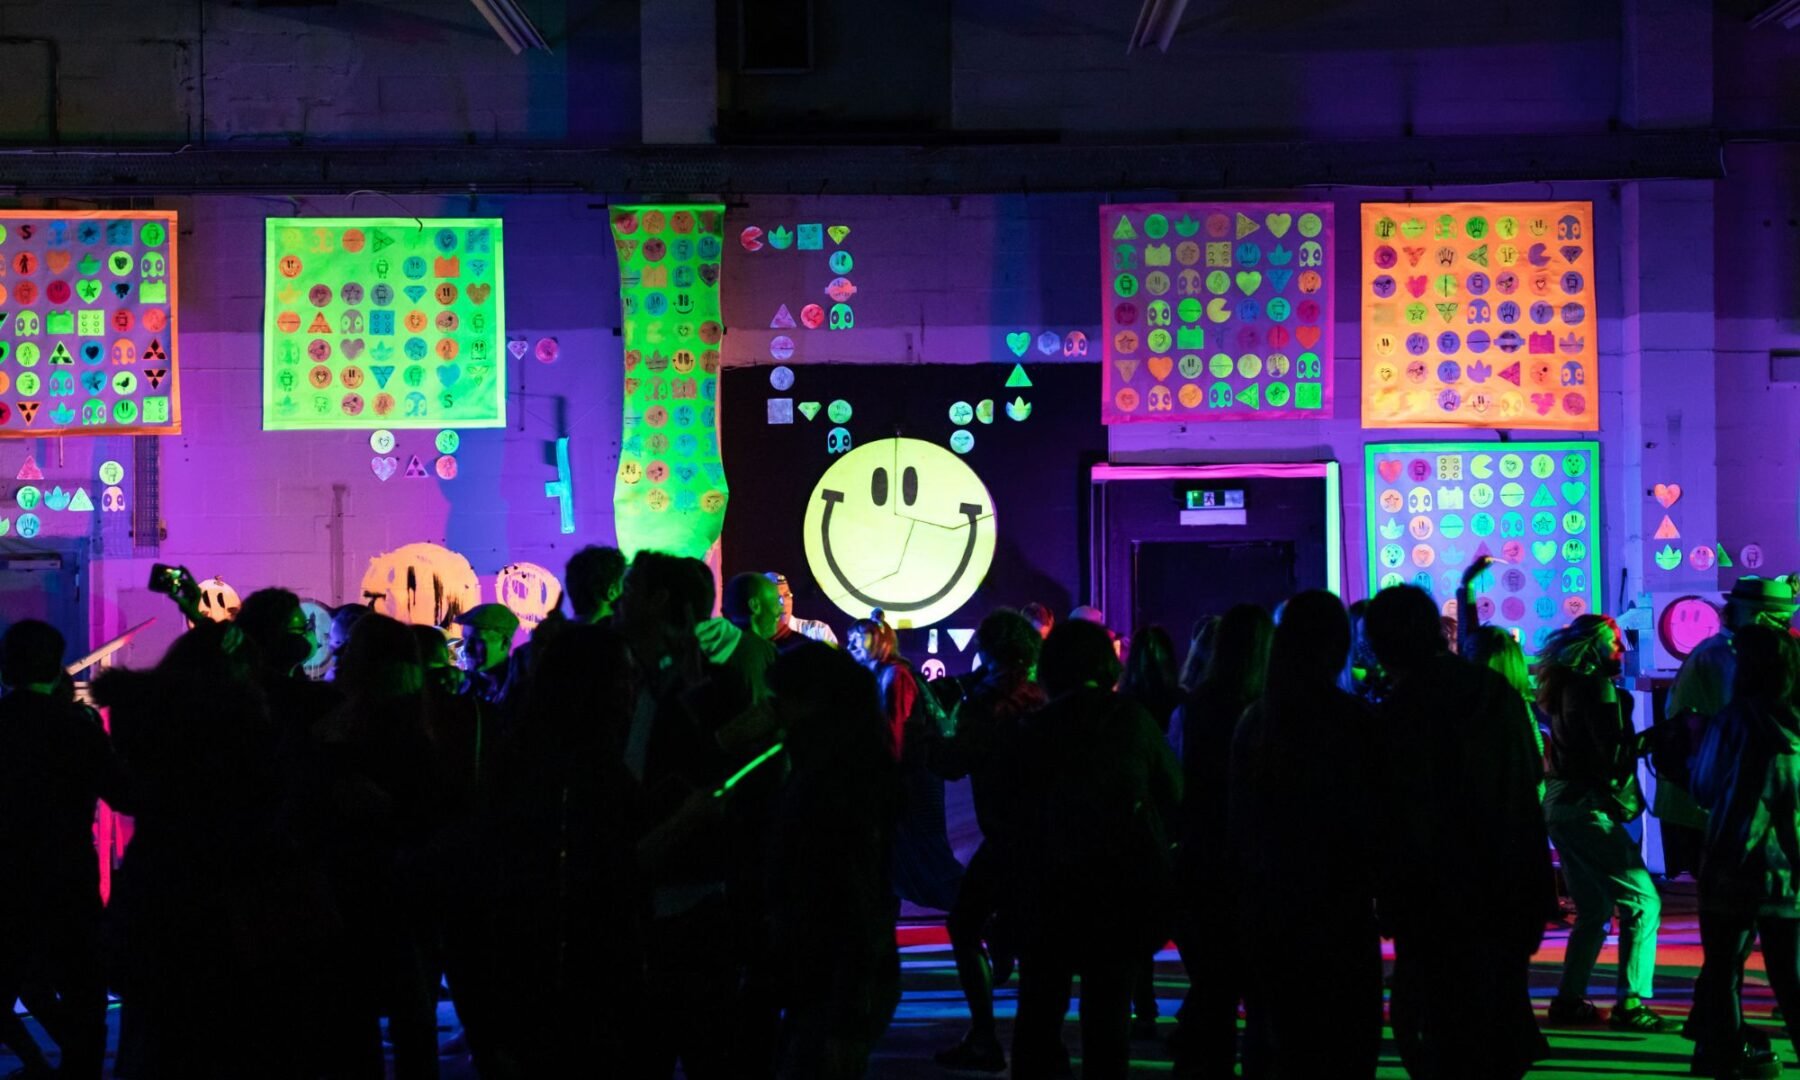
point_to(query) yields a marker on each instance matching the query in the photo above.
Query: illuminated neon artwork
(1214, 311)
(1479, 315)
(902, 525)
(88, 323)
(384, 323)
(1433, 508)
(562, 489)
(670, 491)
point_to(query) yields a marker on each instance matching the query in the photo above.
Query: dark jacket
(1099, 789)
(1303, 834)
(1202, 729)
(1747, 775)
(1591, 745)
(985, 748)
(55, 763)
(1462, 827)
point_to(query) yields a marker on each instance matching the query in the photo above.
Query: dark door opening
(1175, 582)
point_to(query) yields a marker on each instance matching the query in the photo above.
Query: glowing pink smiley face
(1685, 623)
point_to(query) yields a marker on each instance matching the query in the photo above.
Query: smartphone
(165, 579)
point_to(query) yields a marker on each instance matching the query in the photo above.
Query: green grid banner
(384, 323)
(670, 492)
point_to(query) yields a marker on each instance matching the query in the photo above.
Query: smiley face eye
(909, 485)
(878, 487)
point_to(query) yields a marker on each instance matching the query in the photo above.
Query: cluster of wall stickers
(1476, 315)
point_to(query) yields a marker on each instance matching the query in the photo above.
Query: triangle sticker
(1251, 395)
(1019, 378)
(1667, 530)
(1545, 578)
(1543, 496)
(1246, 225)
(382, 373)
(81, 502)
(30, 470)
(319, 325)
(380, 240)
(1511, 374)
(414, 292)
(415, 467)
(808, 409)
(1123, 230)
(1482, 549)
(1127, 368)
(962, 638)
(1724, 559)
(1279, 278)
(1448, 311)
(783, 320)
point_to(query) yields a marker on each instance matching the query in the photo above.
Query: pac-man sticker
(88, 293)
(1240, 290)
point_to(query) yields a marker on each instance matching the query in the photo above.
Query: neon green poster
(670, 493)
(384, 323)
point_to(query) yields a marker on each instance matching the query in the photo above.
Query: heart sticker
(1018, 342)
(478, 294)
(1279, 224)
(1307, 336)
(1160, 366)
(1667, 494)
(1390, 470)
(384, 466)
(1249, 281)
(1544, 550)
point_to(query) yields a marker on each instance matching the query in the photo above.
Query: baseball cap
(495, 617)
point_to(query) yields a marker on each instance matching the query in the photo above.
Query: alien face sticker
(902, 525)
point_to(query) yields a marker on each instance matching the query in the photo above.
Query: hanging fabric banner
(384, 323)
(1216, 311)
(88, 318)
(1479, 315)
(670, 493)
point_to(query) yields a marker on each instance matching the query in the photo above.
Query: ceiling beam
(1419, 163)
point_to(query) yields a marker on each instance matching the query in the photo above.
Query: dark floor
(931, 1014)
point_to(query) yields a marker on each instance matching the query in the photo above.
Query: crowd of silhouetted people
(650, 837)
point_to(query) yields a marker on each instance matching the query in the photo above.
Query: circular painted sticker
(28, 525)
(446, 466)
(781, 347)
(839, 411)
(782, 378)
(1310, 225)
(962, 441)
(1751, 557)
(111, 473)
(1701, 558)
(28, 497)
(380, 441)
(547, 349)
(447, 442)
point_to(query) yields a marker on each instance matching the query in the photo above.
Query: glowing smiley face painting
(902, 525)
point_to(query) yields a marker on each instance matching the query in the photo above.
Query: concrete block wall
(259, 508)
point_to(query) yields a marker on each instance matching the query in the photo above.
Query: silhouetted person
(55, 764)
(1747, 774)
(1590, 797)
(1466, 885)
(693, 959)
(831, 901)
(557, 878)
(791, 630)
(1303, 844)
(1099, 794)
(1152, 681)
(381, 805)
(752, 605)
(592, 580)
(343, 620)
(1042, 619)
(1200, 644)
(1206, 904)
(925, 869)
(211, 926)
(985, 748)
